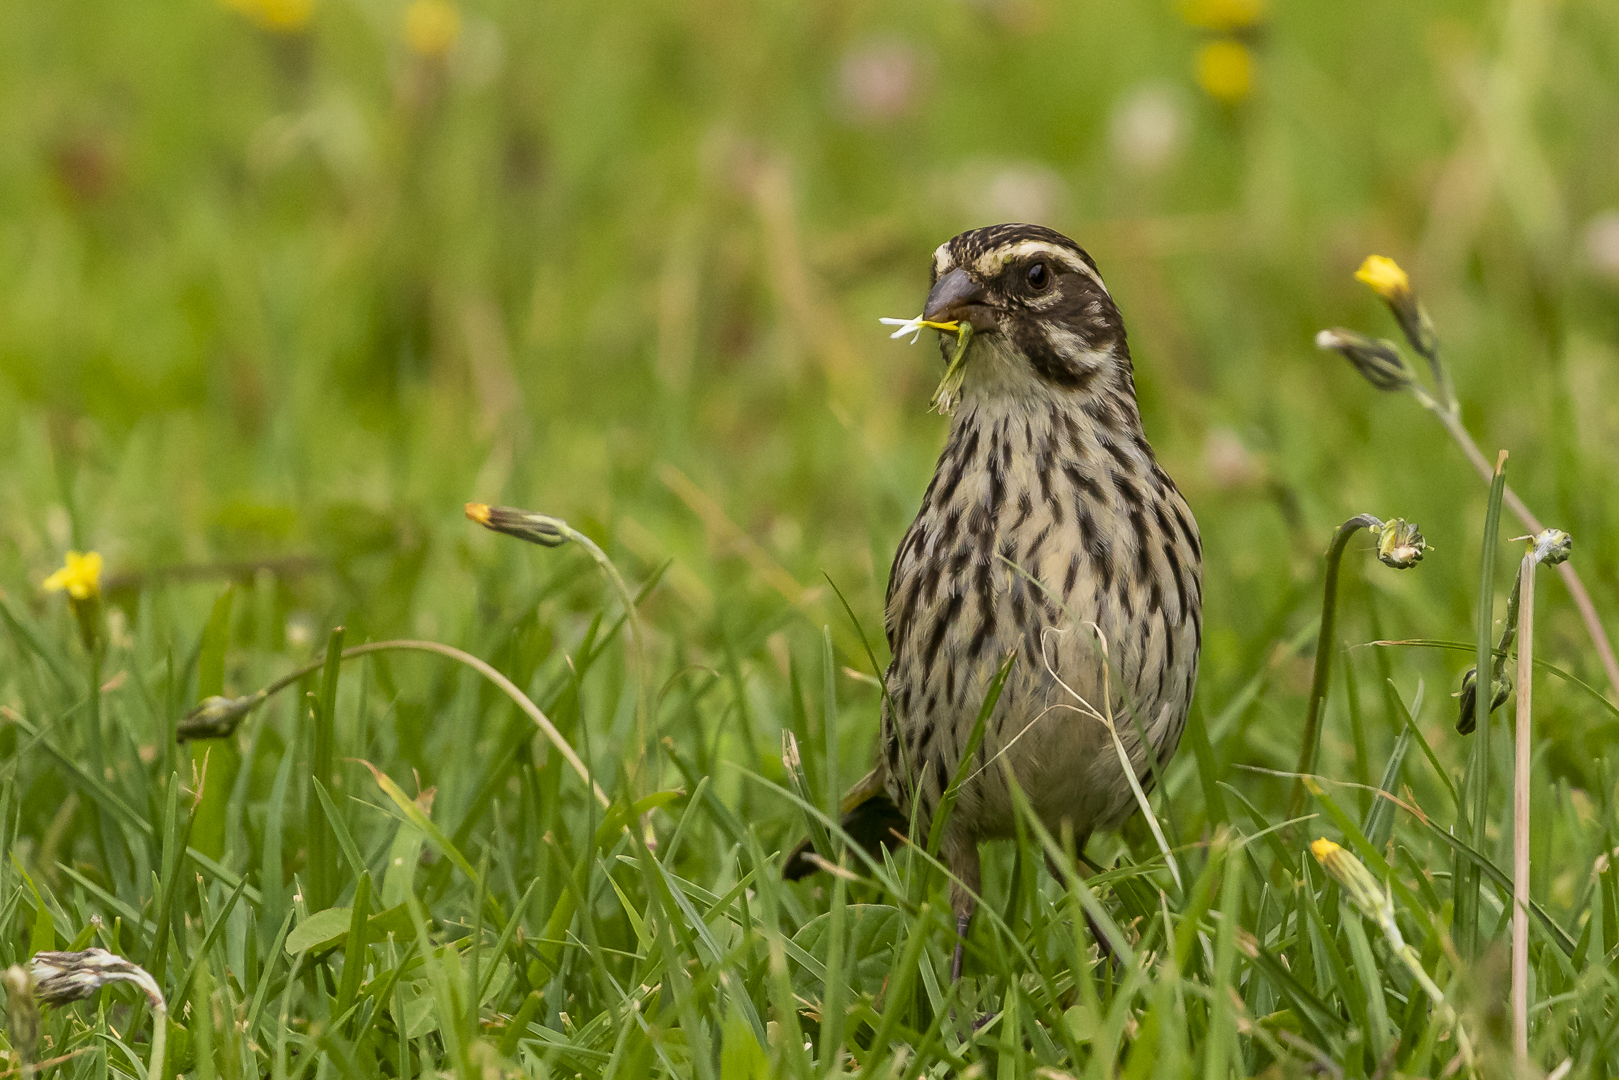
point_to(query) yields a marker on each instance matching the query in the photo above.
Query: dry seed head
(1553, 546)
(73, 976)
(1377, 359)
(1400, 544)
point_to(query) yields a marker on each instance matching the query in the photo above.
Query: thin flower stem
(160, 1038)
(1571, 577)
(1323, 655)
(510, 689)
(1520, 813)
(637, 641)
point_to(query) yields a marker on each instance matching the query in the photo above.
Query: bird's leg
(963, 922)
(962, 858)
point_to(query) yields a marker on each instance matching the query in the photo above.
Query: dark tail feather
(871, 824)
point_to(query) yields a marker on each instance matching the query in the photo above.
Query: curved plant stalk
(217, 717)
(1400, 545)
(548, 531)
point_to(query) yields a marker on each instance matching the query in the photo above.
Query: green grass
(272, 308)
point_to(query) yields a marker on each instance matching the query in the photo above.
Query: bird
(1050, 539)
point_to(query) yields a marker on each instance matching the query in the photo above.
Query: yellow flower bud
(276, 16)
(535, 528)
(1360, 888)
(1225, 71)
(432, 28)
(1385, 277)
(80, 576)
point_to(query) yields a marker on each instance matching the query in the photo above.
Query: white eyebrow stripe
(1068, 259)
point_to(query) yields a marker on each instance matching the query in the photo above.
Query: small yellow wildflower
(1385, 277)
(432, 28)
(1222, 14)
(80, 576)
(1225, 70)
(276, 16)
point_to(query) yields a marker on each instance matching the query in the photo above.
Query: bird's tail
(870, 818)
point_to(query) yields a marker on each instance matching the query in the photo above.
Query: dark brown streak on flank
(1045, 464)
(947, 619)
(1175, 571)
(1188, 532)
(1085, 482)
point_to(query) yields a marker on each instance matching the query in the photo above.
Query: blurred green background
(284, 283)
(281, 281)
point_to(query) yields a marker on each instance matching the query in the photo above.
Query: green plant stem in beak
(948, 395)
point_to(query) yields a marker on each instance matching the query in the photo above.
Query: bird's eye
(1039, 277)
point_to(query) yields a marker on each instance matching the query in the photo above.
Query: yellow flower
(277, 16)
(1385, 277)
(80, 576)
(432, 27)
(1322, 849)
(1222, 14)
(1225, 71)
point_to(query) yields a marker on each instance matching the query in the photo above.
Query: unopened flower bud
(1391, 283)
(215, 717)
(1385, 277)
(1360, 888)
(1466, 721)
(535, 528)
(1378, 360)
(1399, 544)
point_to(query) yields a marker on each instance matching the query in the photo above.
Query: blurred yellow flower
(277, 16)
(1225, 70)
(1385, 277)
(432, 27)
(80, 576)
(1222, 14)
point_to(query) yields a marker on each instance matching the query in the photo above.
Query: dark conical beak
(958, 296)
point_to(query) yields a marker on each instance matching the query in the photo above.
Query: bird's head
(1043, 321)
